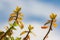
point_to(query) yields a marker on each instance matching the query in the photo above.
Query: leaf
(55, 25)
(6, 38)
(21, 18)
(44, 27)
(54, 20)
(13, 14)
(30, 27)
(11, 25)
(23, 32)
(15, 24)
(13, 28)
(18, 38)
(21, 25)
(9, 33)
(1, 33)
(18, 19)
(20, 14)
(47, 22)
(11, 18)
(17, 9)
(12, 38)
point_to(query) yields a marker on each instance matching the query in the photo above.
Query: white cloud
(40, 33)
(38, 10)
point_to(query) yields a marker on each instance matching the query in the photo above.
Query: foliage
(28, 32)
(16, 20)
(52, 23)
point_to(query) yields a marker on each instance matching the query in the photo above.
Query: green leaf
(1, 33)
(11, 25)
(15, 24)
(13, 28)
(12, 38)
(18, 38)
(6, 38)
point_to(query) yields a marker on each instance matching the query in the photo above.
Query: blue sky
(35, 12)
(55, 2)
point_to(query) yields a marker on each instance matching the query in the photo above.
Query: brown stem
(48, 30)
(26, 35)
(8, 29)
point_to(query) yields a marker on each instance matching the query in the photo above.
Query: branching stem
(49, 29)
(8, 29)
(26, 35)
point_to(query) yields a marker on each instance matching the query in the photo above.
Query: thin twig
(8, 29)
(48, 30)
(26, 35)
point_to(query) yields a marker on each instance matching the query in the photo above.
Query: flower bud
(53, 16)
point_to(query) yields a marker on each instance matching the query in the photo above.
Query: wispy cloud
(35, 13)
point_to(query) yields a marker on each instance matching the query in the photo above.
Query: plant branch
(48, 30)
(26, 35)
(9, 28)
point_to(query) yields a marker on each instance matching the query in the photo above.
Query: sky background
(36, 13)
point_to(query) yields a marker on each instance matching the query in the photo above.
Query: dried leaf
(47, 22)
(11, 18)
(21, 25)
(20, 14)
(55, 25)
(13, 14)
(19, 19)
(23, 32)
(54, 20)
(44, 27)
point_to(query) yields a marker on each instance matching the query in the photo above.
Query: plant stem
(26, 35)
(9, 29)
(49, 29)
